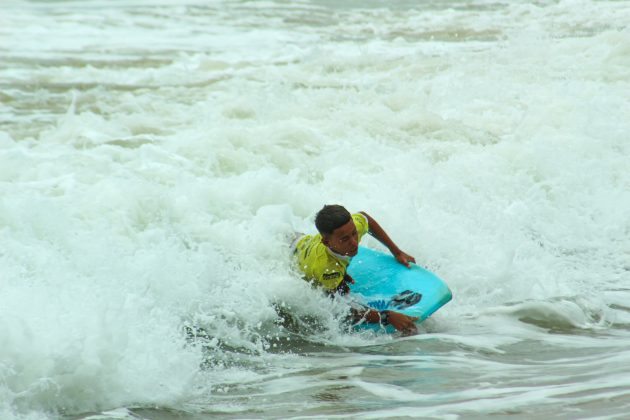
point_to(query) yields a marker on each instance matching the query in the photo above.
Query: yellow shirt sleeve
(331, 276)
(361, 223)
(317, 264)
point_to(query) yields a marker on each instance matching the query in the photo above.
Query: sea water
(156, 155)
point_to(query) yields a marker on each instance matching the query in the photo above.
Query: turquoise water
(155, 155)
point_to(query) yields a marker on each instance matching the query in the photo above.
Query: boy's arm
(401, 322)
(377, 231)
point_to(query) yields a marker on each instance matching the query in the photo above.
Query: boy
(324, 258)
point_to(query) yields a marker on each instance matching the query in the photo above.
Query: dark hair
(331, 217)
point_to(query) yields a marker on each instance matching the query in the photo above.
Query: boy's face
(344, 240)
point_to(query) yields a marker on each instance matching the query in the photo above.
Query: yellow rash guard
(321, 264)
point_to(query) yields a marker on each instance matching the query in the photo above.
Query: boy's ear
(326, 240)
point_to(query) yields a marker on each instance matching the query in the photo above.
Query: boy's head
(337, 228)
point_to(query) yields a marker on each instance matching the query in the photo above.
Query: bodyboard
(383, 283)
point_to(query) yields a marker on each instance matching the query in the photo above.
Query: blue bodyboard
(382, 283)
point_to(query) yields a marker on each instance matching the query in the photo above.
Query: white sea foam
(155, 156)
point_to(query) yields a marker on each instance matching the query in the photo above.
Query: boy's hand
(343, 287)
(405, 324)
(404, 258)
(348, 279)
